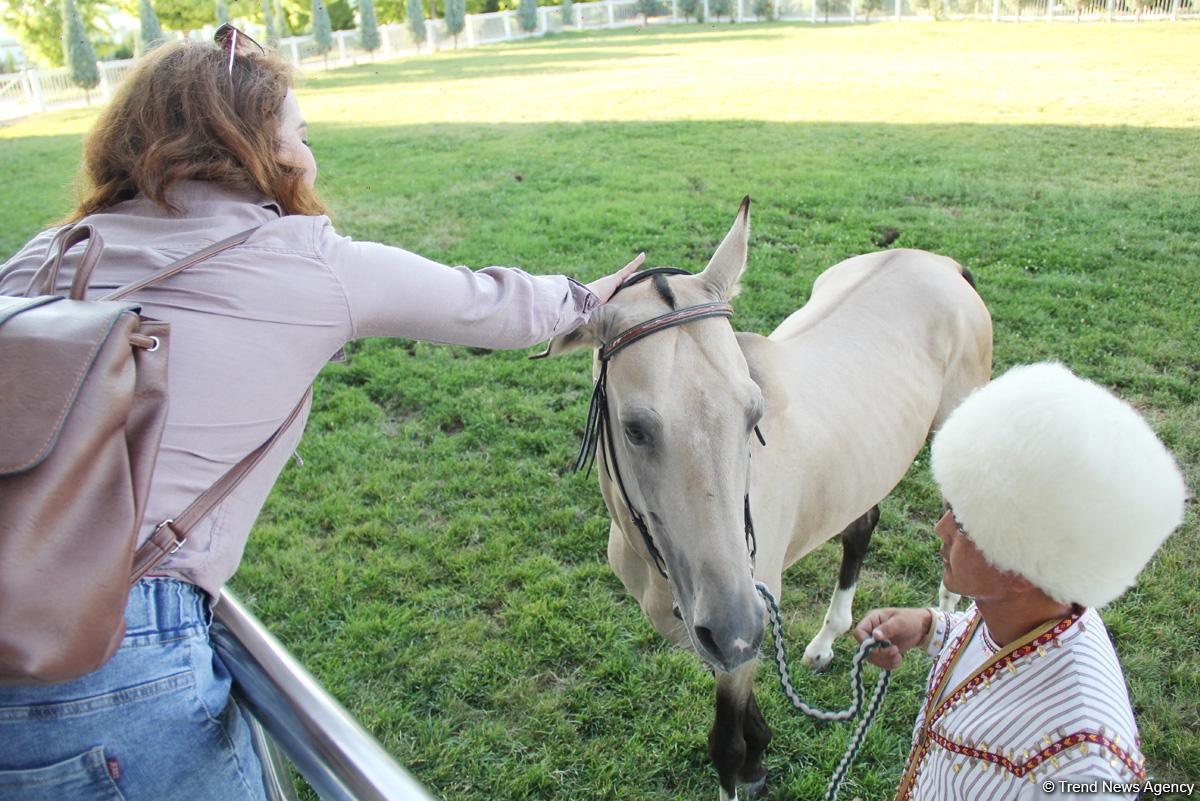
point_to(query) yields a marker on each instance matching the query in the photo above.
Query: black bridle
(599, 425)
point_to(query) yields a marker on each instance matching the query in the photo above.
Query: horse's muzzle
(731, 636)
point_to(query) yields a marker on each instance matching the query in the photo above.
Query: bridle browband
(677, 317)
(599, 427)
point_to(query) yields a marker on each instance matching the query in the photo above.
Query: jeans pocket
(45, 703)
(86, 777)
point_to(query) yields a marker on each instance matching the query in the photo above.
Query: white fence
(31, 90)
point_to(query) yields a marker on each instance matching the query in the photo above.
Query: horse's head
(680, 413)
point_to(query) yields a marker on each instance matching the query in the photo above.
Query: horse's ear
(725, 269)
(585, 336)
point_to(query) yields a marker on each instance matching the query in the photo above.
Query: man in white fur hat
(1058, 493)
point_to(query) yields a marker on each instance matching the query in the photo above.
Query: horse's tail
(970, 279)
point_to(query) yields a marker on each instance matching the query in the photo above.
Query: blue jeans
(153, 724)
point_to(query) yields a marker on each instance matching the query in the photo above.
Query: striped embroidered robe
(1047, 716)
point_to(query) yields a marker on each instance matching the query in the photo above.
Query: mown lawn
(437, 564)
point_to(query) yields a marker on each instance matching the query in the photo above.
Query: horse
(725, 457)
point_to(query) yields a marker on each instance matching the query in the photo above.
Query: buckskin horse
(725, 457)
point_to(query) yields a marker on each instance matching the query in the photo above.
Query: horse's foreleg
(739, 734)
(753, 777)
(855, 539)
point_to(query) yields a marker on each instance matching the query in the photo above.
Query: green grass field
(437, 564)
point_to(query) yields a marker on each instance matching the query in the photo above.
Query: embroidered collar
(1005, 658)
(936, 705)
(985, 637)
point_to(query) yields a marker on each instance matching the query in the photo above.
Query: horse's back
(894, 314)
(887, 288)
(887, 345)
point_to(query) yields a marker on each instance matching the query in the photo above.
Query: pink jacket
(252, 327)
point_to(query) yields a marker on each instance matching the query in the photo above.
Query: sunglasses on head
(237, 42)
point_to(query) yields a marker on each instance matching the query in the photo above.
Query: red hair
(181, 115)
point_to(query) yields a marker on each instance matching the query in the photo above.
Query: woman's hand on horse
(903, 628)
(604, 288)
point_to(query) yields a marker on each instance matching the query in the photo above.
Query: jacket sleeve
(940, 627)
(393, 292)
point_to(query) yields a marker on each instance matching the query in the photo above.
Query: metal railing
(294, 716)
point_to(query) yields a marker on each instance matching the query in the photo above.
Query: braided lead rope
(856, 683)
(860, 734)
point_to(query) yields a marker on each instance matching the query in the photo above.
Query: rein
(598, 428)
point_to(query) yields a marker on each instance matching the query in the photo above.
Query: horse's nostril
(705, 636)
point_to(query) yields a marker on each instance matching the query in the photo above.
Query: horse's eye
(637, 434)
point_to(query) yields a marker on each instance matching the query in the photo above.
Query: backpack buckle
(176, 541)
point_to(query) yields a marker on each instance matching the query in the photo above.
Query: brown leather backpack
(83, 399)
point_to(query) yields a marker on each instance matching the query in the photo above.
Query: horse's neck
(839, 436)
(826, 382)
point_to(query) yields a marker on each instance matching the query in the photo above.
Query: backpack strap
(170, 535)
(178, 266)
(46, 277)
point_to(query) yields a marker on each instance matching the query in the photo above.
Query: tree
(389, 10)
(152, 34)
(283, 26)
(690, 8)
(527, 15)
(117, 47)
(415, 15)
(269, 22)
(719, 7)
(341, 15)
(456, 18)
(871, 5)
(37, 25)
(765, 8)
(222, 12)
(322, 29)
(78, 54)
(183, 15)
(648, 9)
(368, 27)
(1076, 6)
(568, 12)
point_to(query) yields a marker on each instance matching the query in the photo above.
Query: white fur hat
(1057, 479)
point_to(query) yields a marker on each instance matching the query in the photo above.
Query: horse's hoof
(753, 789)
(819, 662)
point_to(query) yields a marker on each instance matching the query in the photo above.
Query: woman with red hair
(203, 141)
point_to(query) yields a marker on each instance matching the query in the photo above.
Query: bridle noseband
(599, 425)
